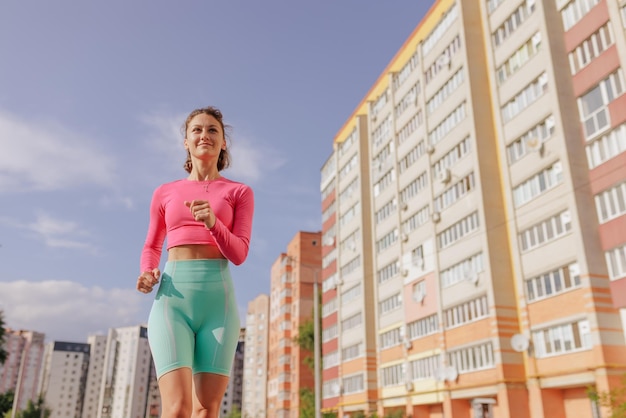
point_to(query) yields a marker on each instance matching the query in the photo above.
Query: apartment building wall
(97, 345)
(490, 268)
(128, 374)
(256, 358)
(20, 372)
(63, 378)
(232, 400)
(293, 276)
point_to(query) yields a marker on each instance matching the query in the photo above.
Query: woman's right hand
(147, 280)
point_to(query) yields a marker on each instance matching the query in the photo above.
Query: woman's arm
(235, 244)
(153, 245)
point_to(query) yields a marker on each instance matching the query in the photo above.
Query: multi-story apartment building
(293, 277)
(63, 377)
(474, 216)
(20, 372)
(255, 358)
(97, 349)
(127, 374)
(233, 396)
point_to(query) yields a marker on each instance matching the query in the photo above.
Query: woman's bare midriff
(193, 252)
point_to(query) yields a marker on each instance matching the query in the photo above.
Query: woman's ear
(185, 144)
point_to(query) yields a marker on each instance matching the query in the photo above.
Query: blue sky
(92, 97)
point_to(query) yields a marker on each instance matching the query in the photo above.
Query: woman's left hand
(202, 212)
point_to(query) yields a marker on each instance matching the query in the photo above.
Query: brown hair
(223, 161)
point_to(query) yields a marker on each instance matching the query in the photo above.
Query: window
(348, 167)
(466, 312)
(458, 230)
(351, 294)
(393, 375)
(351, 322)
(388, 271)
(451, 157)
(477, 357)
(443, 60)
(405, 132)
(390, 338)
(353, 384)
(611, 203)
(349, 214)
(442, 27)
(446, 90)
(348, 191)
(330, 388)
(388, 240)
(331, 359)
(447, 125)
(413, 188)
(519, 58)
(347, 144)
(406, 70)
(553, 282)
(538, 184)
(607, 146)
(616, 260)
(329, 307)
(546, 231)
(592, 106)
(514, 21)
(525, 98)
(540, 132)
(382, 132)
(454, 193)
(418, 291)
(423, 327)
(560, 339)
(411, 157)
(416, 220)
(390, 304)
(351, 352)
(591, 48)
(408, 100)
(462, 270)
(385, 181)
(425, 368)
(350, 266)
(575, 11)
(329, 333)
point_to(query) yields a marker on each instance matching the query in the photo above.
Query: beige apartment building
(255, 358)
(293, 276)
(474, 228)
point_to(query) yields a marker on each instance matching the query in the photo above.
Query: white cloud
(70, 311)
(45, 156)
(55, 233)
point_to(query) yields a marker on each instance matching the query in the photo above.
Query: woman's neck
(204, 174)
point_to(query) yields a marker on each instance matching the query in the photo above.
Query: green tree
(6, 402)
(306, 341)
(3, 353)
(615, 399)
(33, 410)
(234, 413)
(307, 403)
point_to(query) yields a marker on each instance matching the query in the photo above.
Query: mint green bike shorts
(194, 320)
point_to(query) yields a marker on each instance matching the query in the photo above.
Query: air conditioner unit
(405, 237)
(409, 386)
(533, 143)
(404, 206)
(404, 272)
(436, 216)
(430, 149)
(444, 176)
(374, 117)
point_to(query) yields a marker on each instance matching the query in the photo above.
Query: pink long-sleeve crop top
(232, 203)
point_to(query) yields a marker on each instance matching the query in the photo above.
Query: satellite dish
(451, 373)
(519, 342)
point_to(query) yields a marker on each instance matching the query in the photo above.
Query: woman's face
(205, 137)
